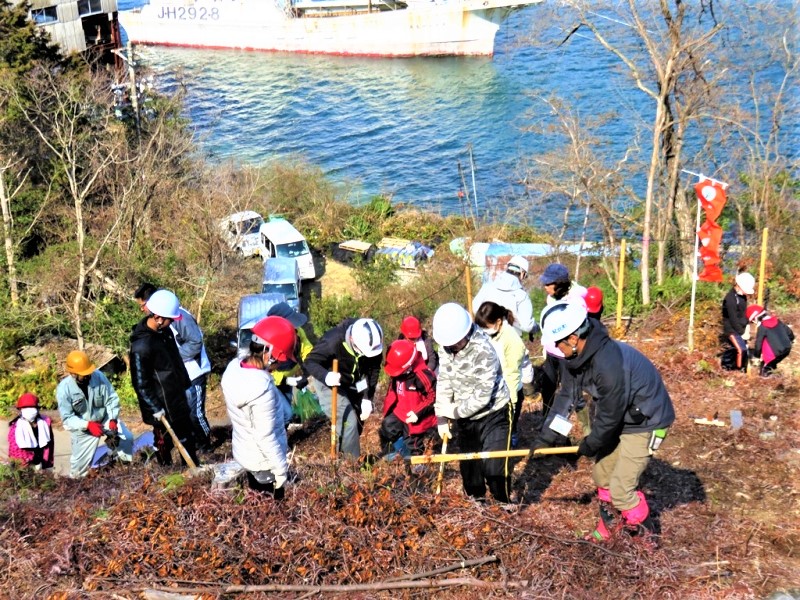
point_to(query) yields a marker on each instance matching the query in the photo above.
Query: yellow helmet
(78, 363)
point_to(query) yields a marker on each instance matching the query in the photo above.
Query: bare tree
(71, 116)
(579, 173)
(659, 50)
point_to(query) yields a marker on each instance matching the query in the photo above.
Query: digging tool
(440, 476)
(175, 439)
(443, 458)
(334, 399)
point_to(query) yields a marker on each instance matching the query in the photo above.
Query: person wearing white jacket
(507, 291)
(254, 406)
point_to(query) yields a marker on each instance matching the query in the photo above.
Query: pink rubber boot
(637, 521)
(607, 518)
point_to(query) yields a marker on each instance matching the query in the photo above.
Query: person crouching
(30, 435)
(259, 441)
(773, 341)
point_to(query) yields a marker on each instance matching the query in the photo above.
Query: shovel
(175, 439)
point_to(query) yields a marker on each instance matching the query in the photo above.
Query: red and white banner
(711, 195)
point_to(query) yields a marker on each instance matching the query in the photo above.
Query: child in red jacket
(30, 435)
(774, 339)
(408, 417)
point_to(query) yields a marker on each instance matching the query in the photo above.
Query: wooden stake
(334, 399)
(440, 476)
(468, 280)
(620, 285)
(441, 458)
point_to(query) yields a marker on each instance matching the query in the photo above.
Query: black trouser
(767, 368)
(517, 410)
(164, 445)
(492, 432)
(392, 429)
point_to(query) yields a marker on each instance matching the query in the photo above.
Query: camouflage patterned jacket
(472, 379)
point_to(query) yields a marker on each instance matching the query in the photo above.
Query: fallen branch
(464, 564)
(319, 589)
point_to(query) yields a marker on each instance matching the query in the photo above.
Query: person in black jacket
(358, 345)
(633, 411)
(159, 377)
(735, 329)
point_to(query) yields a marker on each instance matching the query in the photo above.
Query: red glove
(112, 424)
(94, 428)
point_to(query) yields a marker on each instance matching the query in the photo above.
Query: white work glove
(279, 481)
(157, 415)
(293, 381)
(446, 410)
(366, 409)
(444, 429)
(333, 379)
(411, 417)
(746, 334)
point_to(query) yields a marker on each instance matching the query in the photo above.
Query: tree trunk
(76, 304)
(11, 265)
(648, 200)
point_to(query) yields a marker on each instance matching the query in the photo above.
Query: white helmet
(518, 265)
(164, 303)
(366, 337)
(746, 282)
(561, 320)
(451, 324)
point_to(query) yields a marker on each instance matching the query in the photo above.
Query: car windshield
(293, 250)
(245, 335)
(249, 226)
(287, 289)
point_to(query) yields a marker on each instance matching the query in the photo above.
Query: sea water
(402, 126)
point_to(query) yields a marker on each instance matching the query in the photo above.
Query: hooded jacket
(413, 392)
(773, 337)
(254, 407)
(507, 291)
(159, 376)
(627, 389)
(472, 379)
(734, 318)
(352, 368)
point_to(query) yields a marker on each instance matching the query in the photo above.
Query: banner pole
(694, 278)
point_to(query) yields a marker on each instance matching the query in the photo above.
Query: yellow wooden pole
(440, 458)
(468, 277)
(762, 269)
(620, 284)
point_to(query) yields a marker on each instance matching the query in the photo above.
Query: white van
(241, 232)
(282, 276)
(279, 239)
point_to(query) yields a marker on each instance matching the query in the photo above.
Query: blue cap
(554, 272)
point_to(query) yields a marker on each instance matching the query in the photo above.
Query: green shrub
(329, 311)
(375, 276)
(41, 381)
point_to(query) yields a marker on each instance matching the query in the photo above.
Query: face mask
(29, 414)
(491, 331)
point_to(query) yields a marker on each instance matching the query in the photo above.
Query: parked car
(282, 276)
(279, 239)
(241, 232)
(253, 308)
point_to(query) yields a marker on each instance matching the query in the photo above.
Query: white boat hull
(456, 28)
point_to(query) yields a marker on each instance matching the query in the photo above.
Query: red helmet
(411, 328)
(400, 357)
(593, 299)
(753, 311)
(28, 400)
(278, 334)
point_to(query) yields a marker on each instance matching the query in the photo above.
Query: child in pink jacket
(30, 435)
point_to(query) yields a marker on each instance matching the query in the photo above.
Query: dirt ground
(727, 504)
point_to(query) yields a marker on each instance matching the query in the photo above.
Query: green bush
(375, 276)
(329, 311)
(39, 381)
